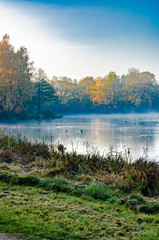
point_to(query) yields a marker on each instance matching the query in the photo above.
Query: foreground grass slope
(35, 213)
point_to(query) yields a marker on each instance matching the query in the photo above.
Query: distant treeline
(28, 93)
(135, 92)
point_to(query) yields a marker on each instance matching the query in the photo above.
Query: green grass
(135, 200)
(35, 213)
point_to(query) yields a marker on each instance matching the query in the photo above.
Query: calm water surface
(95, 132)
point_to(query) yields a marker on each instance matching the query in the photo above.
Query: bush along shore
(110, 179)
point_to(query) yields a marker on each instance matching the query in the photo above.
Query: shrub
(146, 172)
(98, 191)
(6, 156)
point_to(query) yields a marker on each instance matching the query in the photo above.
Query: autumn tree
(63, 87)
(140, 87)
(24, 90)
(98, 94)
(113, 88)
(85, 86)
(106, 91)
(8, 75)
(15, 78)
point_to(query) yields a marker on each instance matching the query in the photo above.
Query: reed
(140, 175)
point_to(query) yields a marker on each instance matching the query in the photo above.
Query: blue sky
(78, 38)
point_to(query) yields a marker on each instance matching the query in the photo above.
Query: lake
(95, 133)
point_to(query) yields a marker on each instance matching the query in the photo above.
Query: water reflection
(91, 132)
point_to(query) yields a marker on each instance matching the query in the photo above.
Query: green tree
(44, 92)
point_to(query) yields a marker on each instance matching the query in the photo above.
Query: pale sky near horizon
(84, 38)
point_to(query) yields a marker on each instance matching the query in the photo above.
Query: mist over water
(82, 133)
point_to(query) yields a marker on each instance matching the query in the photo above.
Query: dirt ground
(6, 237)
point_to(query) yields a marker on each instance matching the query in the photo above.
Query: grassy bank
(47, 193)
(113, 170)
(134, 200)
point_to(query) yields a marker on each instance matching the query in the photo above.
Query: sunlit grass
(35, 213)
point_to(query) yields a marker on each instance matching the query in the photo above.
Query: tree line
(135, 92)
(28, 93)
